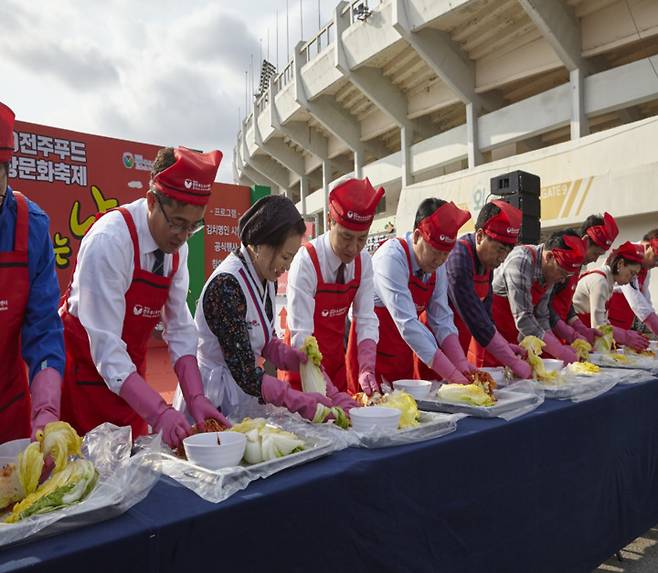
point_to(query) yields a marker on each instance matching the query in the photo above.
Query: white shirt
(103, 274)
(303, 282)
(592, 293)
(392, 291)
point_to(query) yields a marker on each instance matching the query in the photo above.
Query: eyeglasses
(190, 229)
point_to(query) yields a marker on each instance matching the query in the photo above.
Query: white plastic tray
(508, 401)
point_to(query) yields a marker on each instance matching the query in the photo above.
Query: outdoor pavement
(640, 556)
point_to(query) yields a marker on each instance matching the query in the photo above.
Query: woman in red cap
(131, 272)
(31, 332)
(598, 233)
(329, 275)
(633, 300)
(410, 281)
(522, 287)
(470, 269)
(594, 290)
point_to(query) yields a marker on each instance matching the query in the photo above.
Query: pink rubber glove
(340, 399)
(446, 369)
(564, 331)
(284, 357)
(559, 350)
(157, 413)
(453, 350)
(189, 376)
(277, 392)
(652, 322)
(367, 356)
(587, 333)
(521, 352)
(630, 338)
(502, 351)
(46, 392)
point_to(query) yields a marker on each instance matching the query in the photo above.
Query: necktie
(158, 265)
(340, 275)
(420, 274)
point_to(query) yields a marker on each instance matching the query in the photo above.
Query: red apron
(562, 299)
(502, 313)
(620, 312)
(395, 358)
(585, 317)
(15, 407)
(86, 399)
(482, 286)
(332, 301)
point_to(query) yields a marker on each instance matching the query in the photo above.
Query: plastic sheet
(124, 481)
(635, 362)
(579, 388)
(217, 485)
(630, 375)
(514, 400)
(432, 425)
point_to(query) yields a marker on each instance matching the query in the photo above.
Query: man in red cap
(329, 275)
(31, 331)
(132, 272)
(470, 269)
(595, 288)
(598, 233)
(416, 325)
(522, 288)
(633, 300)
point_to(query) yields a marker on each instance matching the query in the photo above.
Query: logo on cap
(357, 217)
(446, 239)
(512, 231)
(188, 184)
(196, 186)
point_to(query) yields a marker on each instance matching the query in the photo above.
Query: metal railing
(321, 40)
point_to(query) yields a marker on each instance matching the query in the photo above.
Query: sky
(163, 72)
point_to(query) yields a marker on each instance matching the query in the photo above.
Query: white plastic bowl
(203, 449)
(374, 418)
(419, 389)
(496, 372)
(552, 364)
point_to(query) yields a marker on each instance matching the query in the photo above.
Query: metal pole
(277, 40)
(287, 33)
(301, 22)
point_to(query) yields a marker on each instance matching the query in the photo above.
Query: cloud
(81, 67)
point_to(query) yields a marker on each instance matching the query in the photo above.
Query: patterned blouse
(225, 310)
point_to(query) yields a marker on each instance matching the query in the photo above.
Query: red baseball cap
(440, 228)
(6, 133)
(190, 178)
(506, 225)
(630, 251)
(604, 235)
(572, 257)
(352, 203)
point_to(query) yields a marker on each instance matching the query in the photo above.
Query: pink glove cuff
(46, 392)
(189, 376)
(453, 350)
(652, 322)
(367, 355)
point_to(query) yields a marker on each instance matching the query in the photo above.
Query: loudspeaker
(521, 190)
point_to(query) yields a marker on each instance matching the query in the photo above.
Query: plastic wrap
(579, 388)
(124, 481)
(217, 485)
(514, 400)
(631, 376)
(432, 425)
(635, 362)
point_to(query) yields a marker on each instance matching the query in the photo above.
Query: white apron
(219, 386)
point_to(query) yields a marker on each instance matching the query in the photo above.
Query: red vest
(15, 407)
(561, 300)
(86, 399)
(332, 301)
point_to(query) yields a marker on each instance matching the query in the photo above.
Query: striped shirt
(475, 313)
(514, 280)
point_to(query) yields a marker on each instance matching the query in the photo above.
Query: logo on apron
(145, 311)
(4, 305)
(333, 312)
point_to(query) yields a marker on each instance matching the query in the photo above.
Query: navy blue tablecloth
(560, 489)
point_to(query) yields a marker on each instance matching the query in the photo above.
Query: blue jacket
(42, 335)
